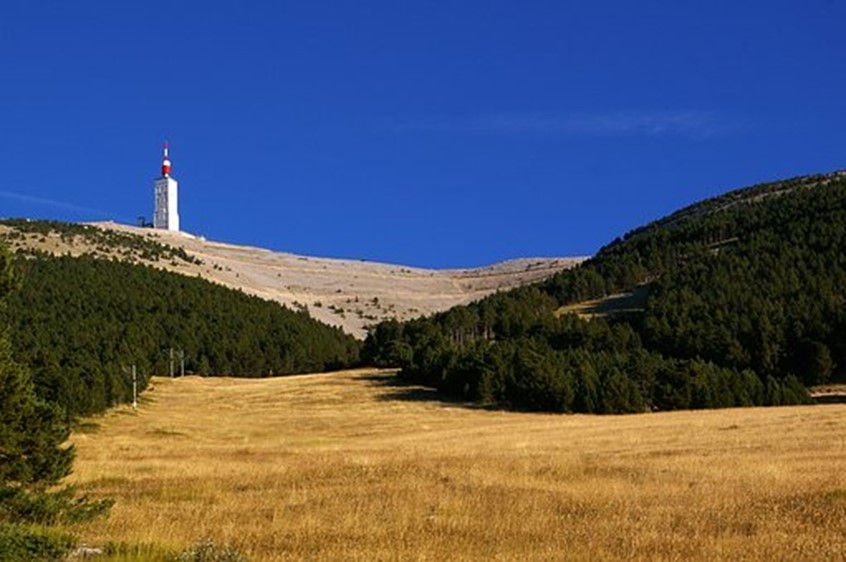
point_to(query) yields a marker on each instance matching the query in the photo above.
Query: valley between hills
(450, 444)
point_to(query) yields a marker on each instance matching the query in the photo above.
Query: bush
(50, 507)
(29, 544)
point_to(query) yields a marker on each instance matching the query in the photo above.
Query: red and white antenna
(165, 161)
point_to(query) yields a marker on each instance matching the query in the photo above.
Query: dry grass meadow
(347, 466)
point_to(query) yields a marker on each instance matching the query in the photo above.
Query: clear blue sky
(427, 133)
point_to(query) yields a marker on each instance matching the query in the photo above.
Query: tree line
(79, 322)
(744, 305)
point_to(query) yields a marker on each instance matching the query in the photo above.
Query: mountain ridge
(346, 293)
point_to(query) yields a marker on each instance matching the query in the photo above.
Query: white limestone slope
(346, 293)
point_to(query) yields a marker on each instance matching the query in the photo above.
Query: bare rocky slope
(347, 293)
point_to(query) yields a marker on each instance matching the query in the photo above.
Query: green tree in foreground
(33, 459)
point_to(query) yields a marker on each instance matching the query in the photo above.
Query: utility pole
(134, 385)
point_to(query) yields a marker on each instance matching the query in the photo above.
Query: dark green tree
(33, 458)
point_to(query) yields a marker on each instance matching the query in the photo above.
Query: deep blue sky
(427, 133)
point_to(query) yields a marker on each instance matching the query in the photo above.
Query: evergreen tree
(33, 457)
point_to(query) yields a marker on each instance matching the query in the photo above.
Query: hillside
(80, 323)
(733, 301)
(351, 466)
(349, 294)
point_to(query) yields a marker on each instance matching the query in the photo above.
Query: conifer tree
(32, 431)
(33, 457)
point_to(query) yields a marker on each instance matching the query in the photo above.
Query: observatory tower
(166, 215)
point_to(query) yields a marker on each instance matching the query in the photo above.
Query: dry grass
(621, 303)
(347, 467)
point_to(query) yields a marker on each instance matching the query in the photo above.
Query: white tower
(166, 215)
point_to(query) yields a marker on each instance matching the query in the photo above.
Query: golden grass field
(347, 466)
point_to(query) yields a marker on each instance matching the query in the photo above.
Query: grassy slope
(347, 467)
(623, 303)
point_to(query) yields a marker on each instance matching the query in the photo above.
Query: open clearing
(348, 466)
(622, 303)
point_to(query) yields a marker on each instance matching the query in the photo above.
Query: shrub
(20, 543)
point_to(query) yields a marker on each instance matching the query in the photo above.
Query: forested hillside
(741, 300)
(79, 322)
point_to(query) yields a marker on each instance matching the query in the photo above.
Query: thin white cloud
(46, 202)
(694, 124)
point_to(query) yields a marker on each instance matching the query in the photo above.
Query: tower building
(166, 215)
